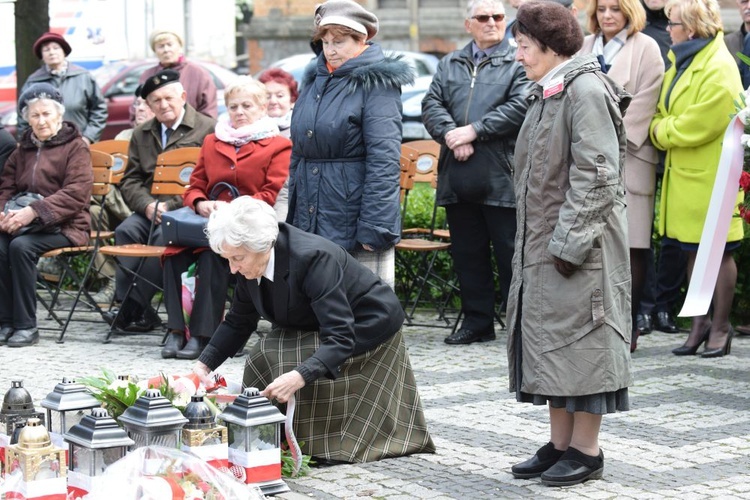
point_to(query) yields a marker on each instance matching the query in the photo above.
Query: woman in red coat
(248, 153)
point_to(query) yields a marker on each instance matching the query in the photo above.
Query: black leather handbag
(185, 228)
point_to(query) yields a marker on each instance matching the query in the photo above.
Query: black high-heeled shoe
(691, 350)
(721, 351)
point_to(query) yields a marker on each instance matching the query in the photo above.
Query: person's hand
(4, 223)
(462, 153)
(17, 219)
(202, 371)
(155, 210)
(564, 267)
(284, 386)
(368, 248)
(205, 207)
(460, 136)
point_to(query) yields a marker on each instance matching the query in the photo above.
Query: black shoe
(175, 342)
(466, 336)
(574, 467)
(23, 338)
(544, 458)
(721, 351)
(126, 316)
(690, 350)
(193, 348)
(664, 323)
(148, 322)
(5, 333)
(644, 324)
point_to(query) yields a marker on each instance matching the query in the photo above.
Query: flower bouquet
(157, 473)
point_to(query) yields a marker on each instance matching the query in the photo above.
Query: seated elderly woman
(247, 153)
(336, 340)
(281, 88)
(53, 161)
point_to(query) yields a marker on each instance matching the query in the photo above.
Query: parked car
(119, 80)
(424, 66)
(411, 109)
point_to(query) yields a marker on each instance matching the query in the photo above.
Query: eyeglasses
(670, 24)
(484, 18)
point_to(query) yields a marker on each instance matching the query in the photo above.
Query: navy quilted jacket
(346, 135)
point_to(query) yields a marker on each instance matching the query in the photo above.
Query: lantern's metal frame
(67, 396)
(152, 416)
(34, 447)
(250, 409)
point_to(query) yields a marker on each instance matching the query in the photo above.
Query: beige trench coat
(575, 331)
(639, 68)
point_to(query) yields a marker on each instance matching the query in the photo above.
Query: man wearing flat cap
(474, 109)
(197, 81)
(175, 125)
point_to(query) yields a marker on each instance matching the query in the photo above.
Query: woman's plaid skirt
(370, 412)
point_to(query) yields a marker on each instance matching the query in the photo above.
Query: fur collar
(371, 69)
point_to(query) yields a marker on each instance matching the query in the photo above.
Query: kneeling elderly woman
(336, 340)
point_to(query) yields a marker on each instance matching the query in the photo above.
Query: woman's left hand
(284, 386)
(564, 267)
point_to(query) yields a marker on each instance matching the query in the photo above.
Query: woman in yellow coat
(696, 101)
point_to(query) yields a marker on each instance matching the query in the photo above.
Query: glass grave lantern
(94, 444)
(66, 406)
(255, 441)
(17, 407)
(153, 420)
(36, 467)
(202, 435)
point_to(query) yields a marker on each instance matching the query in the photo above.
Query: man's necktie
(167, 133)
(479, 57)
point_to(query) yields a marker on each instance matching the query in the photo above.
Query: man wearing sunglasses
(474, 109)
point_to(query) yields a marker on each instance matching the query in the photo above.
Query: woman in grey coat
(84, 103)
(569, 309)
(346, 136)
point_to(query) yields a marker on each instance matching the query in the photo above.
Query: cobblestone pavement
(687, 435)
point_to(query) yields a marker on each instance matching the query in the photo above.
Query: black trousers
(212, 283)
(18, 258)
(478, 231)
(661, 291)
(135, 229)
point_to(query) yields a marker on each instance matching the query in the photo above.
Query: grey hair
(58, 105)
(473, 4)
(244, 222)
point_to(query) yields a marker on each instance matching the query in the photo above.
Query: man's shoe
(148, 322)
(105, 294)
(193, 348)
(5, 333)
(124, 319)
(664, 323)
(466, 336)
(574, 467)
(644, 324)
(544, 458)
(23, 338)
(175, 342)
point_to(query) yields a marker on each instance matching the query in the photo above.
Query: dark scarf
(684, 53)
